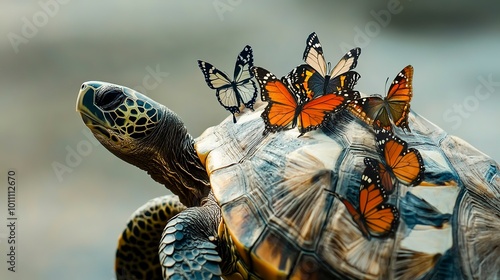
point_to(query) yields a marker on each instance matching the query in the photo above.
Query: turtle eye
(110, 99)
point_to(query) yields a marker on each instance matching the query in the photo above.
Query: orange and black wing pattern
(399, 97)
(374, 217)
(371, 110)
(399, 162)
(305, 79)
(314, 78)
(384, 173)
(287, 109)
(394, 108)
(280, 113)
(313, 114)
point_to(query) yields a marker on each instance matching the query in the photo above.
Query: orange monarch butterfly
(287, 109)
(395, 107)
(406, 165)
(315, 78)
(373, 217)
(231, 94)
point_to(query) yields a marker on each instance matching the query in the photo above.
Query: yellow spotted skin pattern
(120, 115)
(137, 253)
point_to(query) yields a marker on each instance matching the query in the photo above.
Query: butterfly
(399, 162)
(315, 78)
(287, 109)
(373, 217)
(231, 94)
(395, 107)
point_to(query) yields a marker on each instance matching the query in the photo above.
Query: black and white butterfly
(315, 78)
(232, 94)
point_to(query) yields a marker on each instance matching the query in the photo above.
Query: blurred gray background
(68, 223)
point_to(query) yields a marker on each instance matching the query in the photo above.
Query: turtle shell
(283, 221)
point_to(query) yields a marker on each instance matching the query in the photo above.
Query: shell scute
(310, 267)
(273, 257)
(244, 223)
(229, 183)
(300, 202)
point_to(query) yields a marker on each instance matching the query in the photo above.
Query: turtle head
(146, 134)
(120, 118)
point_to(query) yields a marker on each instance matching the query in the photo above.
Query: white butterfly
(232, 94)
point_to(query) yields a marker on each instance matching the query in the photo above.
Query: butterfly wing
(355, 214)
(214, 78)
(385, 175)
(371, 195)
(313, 114)
(345, 64)
(313, 54)
(298, 79)
(305, 80)
(383, 221)
(399, 97)
(219, 81)
(380, 219)
(341, 76)
(280, 113)
(244, 62)
(406, 164)
(309, 83)
(312, 74)
(372, 110)
(343, 81)
(245, 87)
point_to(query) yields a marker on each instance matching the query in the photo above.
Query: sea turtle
(254, 205)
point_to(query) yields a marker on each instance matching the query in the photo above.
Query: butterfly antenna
(328, 67)
(333, 193)
(265, 133)
(386, 80)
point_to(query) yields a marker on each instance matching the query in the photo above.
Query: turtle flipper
(188, 248)
(137, 252)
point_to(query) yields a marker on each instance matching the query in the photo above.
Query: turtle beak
(92, 115)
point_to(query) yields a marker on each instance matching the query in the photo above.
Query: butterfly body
(288, 109)
(393, 108)
(232, 94)
(239, 98)
(326, 87)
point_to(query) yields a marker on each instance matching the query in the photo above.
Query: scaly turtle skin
(262, 206)
(137, 253)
